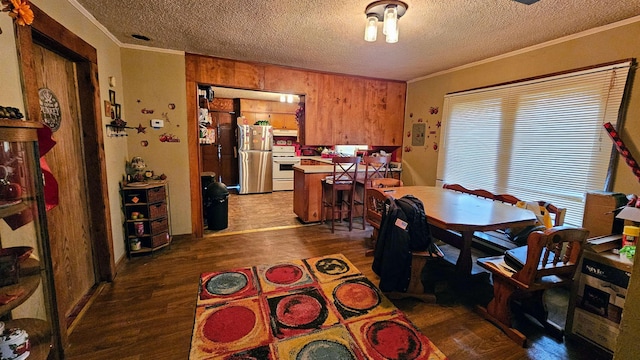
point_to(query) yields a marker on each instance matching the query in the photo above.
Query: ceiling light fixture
(387, 11)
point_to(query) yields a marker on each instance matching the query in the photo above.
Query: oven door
(283, 172)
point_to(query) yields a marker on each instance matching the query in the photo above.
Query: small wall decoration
(147, 111)
(169, 138)
(165, 116)
(50, 108)
(112, 97)
(172, 106)
(144, 143)
(141, 129)
(418, 131)
(19, 10)
(117, 111)
(433, 110)
(108, 111)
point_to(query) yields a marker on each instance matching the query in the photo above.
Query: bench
(497, 241)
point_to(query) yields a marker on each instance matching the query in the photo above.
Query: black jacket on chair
(392, 256)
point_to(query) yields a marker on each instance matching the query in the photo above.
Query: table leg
(463, 265)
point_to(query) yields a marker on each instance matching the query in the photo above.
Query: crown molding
(101, 27)
(592, 31)
(150, 48)
(94, 21)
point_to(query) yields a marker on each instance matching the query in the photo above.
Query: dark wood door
(227, 130)
(68, 222)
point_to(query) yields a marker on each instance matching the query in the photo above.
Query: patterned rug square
(316, 308)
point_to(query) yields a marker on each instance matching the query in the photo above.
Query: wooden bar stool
(339, 191)
(376, 168)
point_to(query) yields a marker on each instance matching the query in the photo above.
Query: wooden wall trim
(66, 42)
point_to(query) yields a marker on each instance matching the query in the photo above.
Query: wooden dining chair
(549, 260)
(456, 187)
(339, 191)
(375, 209)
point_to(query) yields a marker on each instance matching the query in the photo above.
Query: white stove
(284, 158)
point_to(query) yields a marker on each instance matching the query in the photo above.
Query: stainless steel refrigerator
(255, 143)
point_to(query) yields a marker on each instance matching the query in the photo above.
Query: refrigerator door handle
(235, 152)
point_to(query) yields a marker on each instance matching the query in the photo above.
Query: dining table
(465, 214)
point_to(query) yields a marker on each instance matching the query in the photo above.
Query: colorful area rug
(317, 308)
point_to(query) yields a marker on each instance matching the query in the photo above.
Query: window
(538, 139)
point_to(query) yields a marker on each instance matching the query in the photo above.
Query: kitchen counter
(328, 168)
(307, 188)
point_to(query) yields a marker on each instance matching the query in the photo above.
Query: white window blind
(540, 139)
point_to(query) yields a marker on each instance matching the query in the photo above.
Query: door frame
(52, 35)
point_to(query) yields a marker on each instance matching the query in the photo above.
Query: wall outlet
(157, 123)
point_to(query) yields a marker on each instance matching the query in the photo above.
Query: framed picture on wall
(107, 108)
(117, 111)
(112, 97)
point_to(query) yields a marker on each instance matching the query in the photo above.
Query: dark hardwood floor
(147, 312)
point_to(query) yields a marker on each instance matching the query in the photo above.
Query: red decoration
(622, 149)
(141, 129)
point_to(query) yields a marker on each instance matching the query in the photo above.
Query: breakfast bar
(307, 188)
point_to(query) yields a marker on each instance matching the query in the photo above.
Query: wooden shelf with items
(27, 297)
(28, 282)
(147, 224)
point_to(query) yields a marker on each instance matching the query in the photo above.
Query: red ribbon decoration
(622, 149)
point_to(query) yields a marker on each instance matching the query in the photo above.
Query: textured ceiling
(328, 35)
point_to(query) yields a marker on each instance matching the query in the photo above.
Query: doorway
(80, 226)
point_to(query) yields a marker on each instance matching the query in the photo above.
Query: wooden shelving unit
(153, 229)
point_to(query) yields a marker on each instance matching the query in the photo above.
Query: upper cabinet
(26, 280)
(339, 109)
(280, 115)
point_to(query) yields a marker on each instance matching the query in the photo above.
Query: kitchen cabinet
(307, 195)
(284, 121)
(280, 115)
(26, 282)
(147, 217)
(353, 110)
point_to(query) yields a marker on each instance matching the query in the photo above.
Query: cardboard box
(631, 214)
(600, 209)
(601, 294)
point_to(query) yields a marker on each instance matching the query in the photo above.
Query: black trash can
(217, 206)
(206, 179)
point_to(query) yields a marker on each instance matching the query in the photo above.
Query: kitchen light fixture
(388, 11)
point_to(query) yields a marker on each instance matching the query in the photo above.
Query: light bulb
(390, 19)
(392, 37)
(371, 30)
